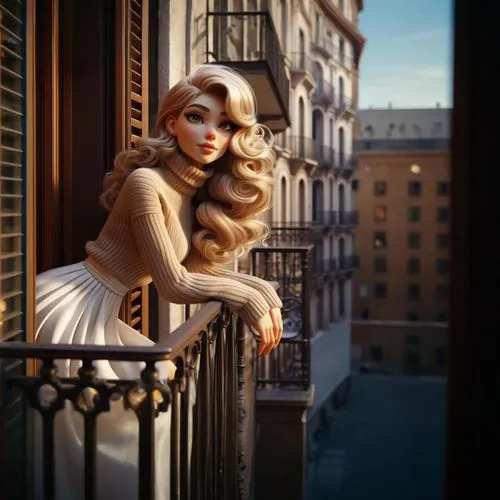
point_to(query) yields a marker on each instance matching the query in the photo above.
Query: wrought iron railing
(343, 104)
(344, 162)
(303, 147)
(301, 61)
(245, 37)
(324, 45)
(208, 404)
(325, 155)
(294, 234)
(289, 364)
(324, 93)
(346, 218)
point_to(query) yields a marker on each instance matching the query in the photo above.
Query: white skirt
(77, 304)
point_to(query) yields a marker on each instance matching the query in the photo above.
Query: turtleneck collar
(184, 175)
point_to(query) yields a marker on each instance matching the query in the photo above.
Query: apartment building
(402, 192)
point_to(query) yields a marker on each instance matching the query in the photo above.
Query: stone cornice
(345, 26)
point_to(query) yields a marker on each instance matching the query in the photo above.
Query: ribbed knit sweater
(147, 236)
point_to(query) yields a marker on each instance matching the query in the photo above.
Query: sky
(407, 58)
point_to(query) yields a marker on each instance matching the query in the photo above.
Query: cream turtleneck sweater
(147, 236)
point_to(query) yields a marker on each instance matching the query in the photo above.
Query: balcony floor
(387, 443)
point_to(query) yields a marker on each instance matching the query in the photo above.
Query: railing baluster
(175, 437)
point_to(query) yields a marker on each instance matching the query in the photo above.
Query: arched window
(283, 200)
(302, 201)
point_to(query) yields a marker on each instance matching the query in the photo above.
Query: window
(380, 290)
(442, 317)
(442, 240)
(413, 265)
(363, 291)
(376, 353)
(443, 214)
(379, 188)
(413, 240)
(365, 313)
(411, 316)
(414, 292)
(379, 239)
(414, 214)
(379, 265)
(443, 188)
(441, 292)
(355, 184)
(380, 214)
(414, 188)
(442, 267)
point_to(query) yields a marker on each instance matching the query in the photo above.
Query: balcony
(302, 71)
(325, 156)
(303, 154)
(344, 107)
(248, 42)
(344, 164)
(211, 441)
(346, 266)
(288, 366)
(346, 220)
(295, 234)
(323, 94)
(323, 46)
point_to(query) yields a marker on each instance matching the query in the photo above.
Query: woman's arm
(263, 287)
(173, 281)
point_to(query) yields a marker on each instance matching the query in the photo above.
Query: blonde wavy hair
(241, 187)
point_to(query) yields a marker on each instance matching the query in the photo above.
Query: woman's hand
(270, 330)
(265, 329)
(277, 320)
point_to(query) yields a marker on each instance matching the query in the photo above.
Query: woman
(180, 204)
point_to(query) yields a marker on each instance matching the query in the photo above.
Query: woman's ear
(171, 123)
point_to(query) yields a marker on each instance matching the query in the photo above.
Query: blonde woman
(180, 204)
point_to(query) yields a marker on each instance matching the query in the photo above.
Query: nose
(210, 135)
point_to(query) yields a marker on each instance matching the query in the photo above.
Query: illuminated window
(379, 239)
(380, 214)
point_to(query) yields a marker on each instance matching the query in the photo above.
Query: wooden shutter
(16, 230)
(132, 80)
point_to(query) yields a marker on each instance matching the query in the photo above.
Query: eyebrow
(204, 108)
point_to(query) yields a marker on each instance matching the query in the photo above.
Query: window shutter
(15, 238)
(134, 44)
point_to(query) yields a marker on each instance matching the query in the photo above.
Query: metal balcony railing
(289, 364)
(344, 162)
(325, 155)
(324, 94)
(302, 147)
(346, 218)
(294, 234)
(208, 443)
(348, 263)
(301, 62)
(248, 37)
(343, 105)
(323, 45)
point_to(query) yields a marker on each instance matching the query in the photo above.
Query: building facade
(402, 192)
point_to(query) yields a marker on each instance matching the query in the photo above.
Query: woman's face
(203, 129)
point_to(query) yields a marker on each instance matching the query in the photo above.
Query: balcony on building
(344, 164)
(324, 94)
(345, 220)
(302, 71)
(325, 156)
(303, 153)
(344, 107)
(346, 265)
(248, 41)
(322, 45)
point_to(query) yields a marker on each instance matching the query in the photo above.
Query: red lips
(207, 146)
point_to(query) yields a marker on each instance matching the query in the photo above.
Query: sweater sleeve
(263, 287)
(172, 280)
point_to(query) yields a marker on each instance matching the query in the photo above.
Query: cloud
(407, 87)
(420, 36)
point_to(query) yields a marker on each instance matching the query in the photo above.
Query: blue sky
(407, 58)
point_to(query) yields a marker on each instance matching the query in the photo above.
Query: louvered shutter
(12, 235)
(135, 65)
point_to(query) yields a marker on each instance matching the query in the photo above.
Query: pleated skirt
(78, 304)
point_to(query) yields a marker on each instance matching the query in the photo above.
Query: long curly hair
(228, 206)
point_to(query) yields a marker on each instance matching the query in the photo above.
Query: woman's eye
(227, 126)
(193, 117)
